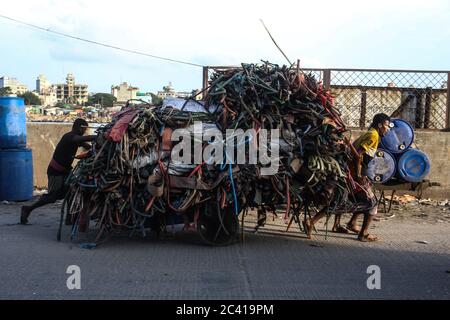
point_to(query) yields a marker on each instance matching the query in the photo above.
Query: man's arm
(81, 139)
(355, 152)
(357, 158)
(359, 161)
(86, 146)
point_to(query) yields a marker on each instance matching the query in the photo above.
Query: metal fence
(420, 97)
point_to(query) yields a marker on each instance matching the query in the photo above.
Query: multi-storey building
(70, 92)
(15, 86)
(168, 91)
(124, 92)
(42, 84)
(46, 91)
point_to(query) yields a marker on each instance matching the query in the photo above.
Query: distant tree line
(6, 91)
(104, 99)
(29, 97)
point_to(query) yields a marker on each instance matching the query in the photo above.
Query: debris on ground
(444, 203)
(427, 202)
(405, 199)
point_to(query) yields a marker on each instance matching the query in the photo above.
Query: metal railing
(418, 96)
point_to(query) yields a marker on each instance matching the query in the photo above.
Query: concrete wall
(43, 138)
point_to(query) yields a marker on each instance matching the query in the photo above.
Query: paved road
(33, 265)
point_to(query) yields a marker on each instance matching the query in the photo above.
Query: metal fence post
(418, 122)
(326, 79)
(205, 80)
(427, 115)
(362, 118)
(447, 122)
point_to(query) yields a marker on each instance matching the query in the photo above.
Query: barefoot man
(60, 166)
(364, 149)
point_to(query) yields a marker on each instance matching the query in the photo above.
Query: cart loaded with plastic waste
(264, 137)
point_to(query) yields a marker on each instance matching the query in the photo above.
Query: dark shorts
(367, 202)
(56, 187)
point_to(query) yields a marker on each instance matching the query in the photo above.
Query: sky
(383, 34)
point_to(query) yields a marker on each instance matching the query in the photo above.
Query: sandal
(368, 238)
(353, 229)
(340, 229)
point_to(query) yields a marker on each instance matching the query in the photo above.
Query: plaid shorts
(367, 201)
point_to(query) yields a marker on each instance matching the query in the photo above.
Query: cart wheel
(215, 230)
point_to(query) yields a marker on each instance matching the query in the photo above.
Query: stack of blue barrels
(396, 159)
(16, 162)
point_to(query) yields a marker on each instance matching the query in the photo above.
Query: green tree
(30, 98)
(5, 91)
(105, 99)
(59, 104)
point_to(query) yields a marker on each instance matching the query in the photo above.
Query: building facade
(42, 84)
(169, 91)
(46, 91)
(124, 92)
(15, 86)
(70, 92)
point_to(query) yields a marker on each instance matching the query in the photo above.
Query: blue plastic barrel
(399, 138)
(13, 128)
(382, 167)
(16, 174)
(413, 166)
